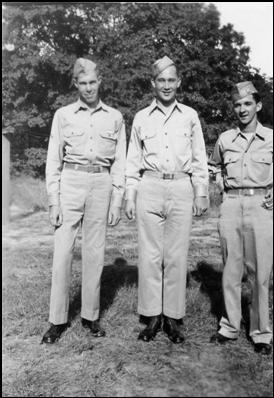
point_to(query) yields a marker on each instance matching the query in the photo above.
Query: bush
(32, 163)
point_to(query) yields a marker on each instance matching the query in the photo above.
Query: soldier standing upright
(85, 185)
(245, 155)
(166, 168)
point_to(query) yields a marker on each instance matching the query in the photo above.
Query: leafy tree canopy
(41, 43)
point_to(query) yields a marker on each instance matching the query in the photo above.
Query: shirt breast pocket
(108, 141)
(150, 143)
(74, 139)
(232, 165)
(260, 166)
(181, 142)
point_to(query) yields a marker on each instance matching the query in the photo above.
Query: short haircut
(257, 97)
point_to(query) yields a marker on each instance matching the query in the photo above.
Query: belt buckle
(96, 169)
(168, 176)
(90, 168)
(249, 192)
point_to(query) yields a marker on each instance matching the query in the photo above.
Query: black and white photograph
(137, 199)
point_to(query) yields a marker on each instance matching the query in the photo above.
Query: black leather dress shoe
(220, 338)
(54, 333)
(153, 326)
(171, 328)
(94, 327)
(263, 348)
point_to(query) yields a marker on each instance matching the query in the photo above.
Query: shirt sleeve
(134, 162)
(54, 163)
(118, 167)
(199, 178)
(216, 158)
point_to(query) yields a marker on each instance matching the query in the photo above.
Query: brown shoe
(153, 326)
(94, 327)
(54, 333)
(220, 338)
(263, 348)
(171, 328)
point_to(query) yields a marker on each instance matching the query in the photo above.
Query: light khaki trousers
(246, 235)
(85, 199)
(164, 219)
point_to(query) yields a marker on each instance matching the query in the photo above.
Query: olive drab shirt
(245, 164)
(84, 136)
(167, 143)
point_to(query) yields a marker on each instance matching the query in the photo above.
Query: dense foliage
(41, 43)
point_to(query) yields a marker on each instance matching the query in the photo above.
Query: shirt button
(90, 138)
(167, 160)
(165, 133)
(166, 147)
(90, 150)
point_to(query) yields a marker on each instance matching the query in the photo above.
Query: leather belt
(89, 168)
(165, 176)
(247, 191)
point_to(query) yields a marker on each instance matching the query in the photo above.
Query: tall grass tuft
(29, 193)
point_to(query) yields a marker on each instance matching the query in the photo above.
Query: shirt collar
(155, 106)
(80, 105)
(259, 132)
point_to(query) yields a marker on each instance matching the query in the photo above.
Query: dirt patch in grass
(118, 365)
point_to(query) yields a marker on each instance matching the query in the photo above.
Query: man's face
(166, 84)
(88, 86)
(246, 109)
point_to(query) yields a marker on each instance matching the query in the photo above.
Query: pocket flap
(73, 132)
(147, 135)
(262, 157)
(231, 157)
(110, 135)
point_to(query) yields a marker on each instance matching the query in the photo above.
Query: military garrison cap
(241, 90)
(83, 65)
(160, 65)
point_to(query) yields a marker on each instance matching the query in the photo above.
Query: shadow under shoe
(172, 329)
(54, 333)
(150, 331)
(94, 327)
(220, 338)
(263, 348)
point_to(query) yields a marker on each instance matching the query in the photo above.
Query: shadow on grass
(113, 278)
(211, 285)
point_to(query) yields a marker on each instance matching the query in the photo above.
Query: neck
(250, 127)
(165, 104)
(91, 105)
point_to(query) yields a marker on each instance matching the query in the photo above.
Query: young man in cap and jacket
(245, 156)
(166, 167)
(85, 185)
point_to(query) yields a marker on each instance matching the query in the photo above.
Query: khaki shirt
(79, 135)
(245, 164)
(167, 143)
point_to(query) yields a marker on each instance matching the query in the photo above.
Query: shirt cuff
(131, 194)
(53, 200)
(200, 190)
(116, 200)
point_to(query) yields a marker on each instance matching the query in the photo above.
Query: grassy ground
(118, 365)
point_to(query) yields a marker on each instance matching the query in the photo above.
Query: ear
(153, 83)
(74, 81)
(179, 82)
(259, 106)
